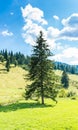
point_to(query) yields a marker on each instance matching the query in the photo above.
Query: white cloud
(34, 14)
(6, 33)
(31, 31)
(69, 33)
(70, 30)
(72, 20)
(56, 17)
(52, 32)
(68, 55)
(35, 22)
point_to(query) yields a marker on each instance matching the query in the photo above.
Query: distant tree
(65, 80)
(11, 57)
(8, 64)
(73, 69)
(1, 58)
(27, 60)
(15, 63)
(41, 72)
(6, 55)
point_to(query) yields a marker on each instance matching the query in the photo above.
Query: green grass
(73, 81)
(18, 114)
(12, 84)
(34, 116)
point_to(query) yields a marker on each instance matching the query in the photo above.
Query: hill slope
(30, 115)
(12, 84)
(73, 81)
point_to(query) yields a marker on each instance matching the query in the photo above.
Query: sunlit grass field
(18, 114)
(12, 84)
(34, 116)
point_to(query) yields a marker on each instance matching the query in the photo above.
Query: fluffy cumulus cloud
(6, 33)
(34, 14)
(34, 22)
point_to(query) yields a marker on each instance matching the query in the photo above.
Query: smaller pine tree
(8, 64)
(65, 79)
(15, 63)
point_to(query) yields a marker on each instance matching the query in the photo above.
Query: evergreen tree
(11, 57)
(6, 55)
(41, 72)
(1, 58)
(65, 80)
(8, 64)
(73, 69)
(15, 63)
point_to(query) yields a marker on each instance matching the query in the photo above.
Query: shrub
(71, 94)
(62, 93)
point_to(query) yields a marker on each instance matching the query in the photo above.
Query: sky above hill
(21, 21)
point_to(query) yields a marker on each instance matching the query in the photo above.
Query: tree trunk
(42, 95)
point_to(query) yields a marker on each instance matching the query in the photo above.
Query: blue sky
(21, 21)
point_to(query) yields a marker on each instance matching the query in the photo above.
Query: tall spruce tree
(65, 79)
(41, 72)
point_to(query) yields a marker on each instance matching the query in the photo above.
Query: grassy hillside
(30, 115)
(73, 81)
(12, 84)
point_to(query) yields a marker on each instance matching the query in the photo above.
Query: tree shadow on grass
(17, 106)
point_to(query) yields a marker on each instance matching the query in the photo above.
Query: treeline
(20, 59)
(73, 69)
(14, 58)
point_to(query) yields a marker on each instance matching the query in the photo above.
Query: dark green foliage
(73, 69)
(11, 57)
(27, 60)
(25, 67)
(15, 63)
(6, 55)
(8, 64)
(16, 59)
(71, 94)
(65, 80)
(41, 72)
(1, 58)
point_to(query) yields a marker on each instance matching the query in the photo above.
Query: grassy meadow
(18, 114)
(28, 115)
(12, 84)
(73, 82)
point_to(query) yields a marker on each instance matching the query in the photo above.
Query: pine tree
(41, 72)
(8, 64)
(6, 55)
(73, 69)
(11, 57)
(65, 80)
